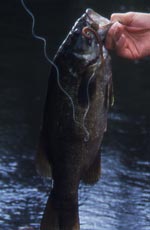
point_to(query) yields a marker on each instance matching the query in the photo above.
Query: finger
(121, 46)
(126, 53)
(113, 32)
(109, 42)
(124, 18)
(124, 49)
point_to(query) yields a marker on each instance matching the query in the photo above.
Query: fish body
(75, 118)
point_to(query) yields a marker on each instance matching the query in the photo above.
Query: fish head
(85, 42)
(100, 23)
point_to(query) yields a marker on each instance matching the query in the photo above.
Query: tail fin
(50, 220)
(58, 217)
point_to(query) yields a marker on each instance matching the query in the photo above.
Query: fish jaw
(84, 50)
(96, 18)
(101, 24)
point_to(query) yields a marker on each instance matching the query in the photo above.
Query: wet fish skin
(67, 144)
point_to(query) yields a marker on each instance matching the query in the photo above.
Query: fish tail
(60, 214)
(50, 220)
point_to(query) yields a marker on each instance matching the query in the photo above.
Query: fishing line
(57, 72)
(39, 37)
(87, 109)
(47, 58)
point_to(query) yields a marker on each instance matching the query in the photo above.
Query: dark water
(121, 199)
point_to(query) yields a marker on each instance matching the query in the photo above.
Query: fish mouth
(98, 26)
(96, 18)
(99, 23)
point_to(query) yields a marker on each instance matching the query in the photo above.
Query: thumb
(123, 18)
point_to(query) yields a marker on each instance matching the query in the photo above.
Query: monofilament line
(57, 72)
(87, 109)
(48, 59)
(39, 37)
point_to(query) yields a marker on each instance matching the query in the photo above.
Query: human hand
(129, 36)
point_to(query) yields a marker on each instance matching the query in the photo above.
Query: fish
(79, 95)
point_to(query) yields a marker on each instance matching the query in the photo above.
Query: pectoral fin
(42, 163)
(92, 175)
